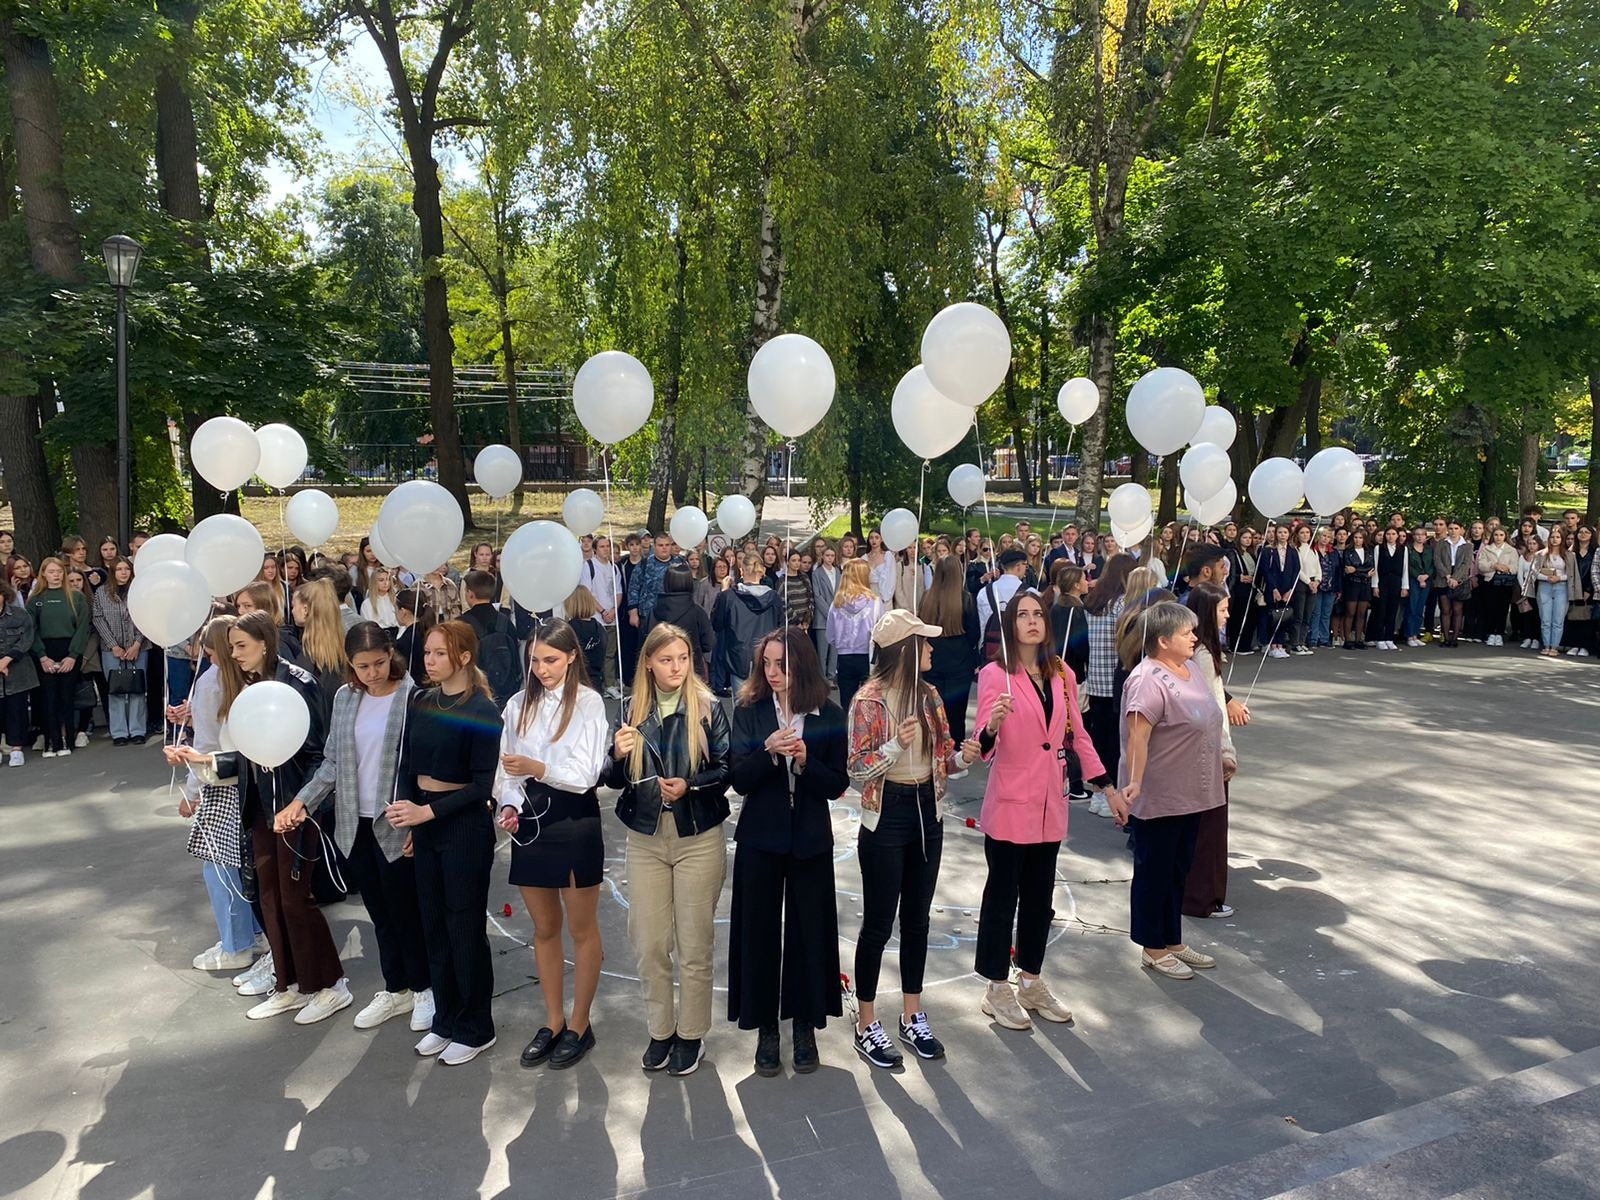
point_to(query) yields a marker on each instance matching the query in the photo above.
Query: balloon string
(788, 505)
(916, 580)
(619, 601)
(1249, 607)
(977, 433)
(1061, 478)
(1279, 624)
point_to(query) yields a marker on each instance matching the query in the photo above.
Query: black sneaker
(873, 1044)
(806, 1059)
(655, 1054)
(536, 1051)
(1081, 793)
(686, 1056)
(767, 1062)
(570, 1048)
(916, 1034)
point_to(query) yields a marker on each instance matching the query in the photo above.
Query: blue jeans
(236, 924)
(1322, 606)
(180, 679)
(1552, 612)
(125, 714)
(1415, 601)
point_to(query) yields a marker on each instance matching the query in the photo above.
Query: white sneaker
(1572, 652)
(1099, 806)
(1533, 644)
(325, 1003)
(279, 1002)
(1277, 652)
(955, 775)
(218, 959)
(1413, 642)
(38, 742)
(431, 1045)
(16, 758)
(63, 753)
(48, 754)
(82, 741)
(422, 1010)
(259, 979)
(384, 1005)
(455, 1053)
(1582, 653)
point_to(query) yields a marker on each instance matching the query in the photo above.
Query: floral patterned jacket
(873, 749)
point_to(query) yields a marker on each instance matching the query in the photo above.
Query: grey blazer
(337, 772)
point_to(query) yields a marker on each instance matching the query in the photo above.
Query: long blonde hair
(73, 598)
(322, 638)
(694, 700)
(855, 581)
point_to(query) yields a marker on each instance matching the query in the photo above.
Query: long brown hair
(262, 628)
(694, 699)
(897, 668)
(945, 603)
(322, 637)
(1009, 659)
(1107, 589)
(115, 591)
(461, 639)
(558, 635)
(214, 637)
(266, 597)
(807, 688)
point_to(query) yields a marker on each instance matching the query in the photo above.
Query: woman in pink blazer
(1029, 724)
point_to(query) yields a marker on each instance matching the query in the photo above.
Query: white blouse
(575, 762)
(381, 609)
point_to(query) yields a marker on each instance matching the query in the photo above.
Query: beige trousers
(673, 886)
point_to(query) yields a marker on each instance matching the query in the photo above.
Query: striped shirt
(1103, 649)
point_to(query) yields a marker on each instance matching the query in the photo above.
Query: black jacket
(800, 825)
(274, 789)
(742, 616)
(1069, 622)
(1390, 567)
(680, 609)
(705, 805)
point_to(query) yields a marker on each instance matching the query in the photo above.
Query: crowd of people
(442, 711)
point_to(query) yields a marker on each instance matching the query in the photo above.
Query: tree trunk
(1019, 443)
(665, 473)
(763, 328)
(1314, 424)
(1139, 466)
(1039, 441)
(28, 485)
(508, 359)
(1488, 499)
(1594, 445)
(1528, 473)
(53, 243)
(1168, 508)
(1102, 369)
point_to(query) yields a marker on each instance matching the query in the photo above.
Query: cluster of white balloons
(966, 352)
(1331, 481)
(226, 452)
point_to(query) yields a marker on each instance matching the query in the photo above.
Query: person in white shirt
(379, 604)
(552, 751)
(604, 580)
(1013, 564)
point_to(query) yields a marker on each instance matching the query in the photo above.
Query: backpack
(500, 661)
(991, 627)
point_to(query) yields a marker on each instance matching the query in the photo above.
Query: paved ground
(1413, 840)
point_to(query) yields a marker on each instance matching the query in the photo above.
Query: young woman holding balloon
(279, 735)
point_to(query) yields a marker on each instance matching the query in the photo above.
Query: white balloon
(168, 599)
(967, 351)
(1216, 509)
(928, 421)
(613, 395)
(1276, 486)
(791, 382)
(1217, 427)
(541, 564)
(583, 511)
(375, 540)
(1128, 505)
(1204, 469)
(1132, 535)
(736, 516)
(688, 527)
(899, 528)
(227, 550)
(225, 452)
(269, 722)
(422, 524)
(312, 516)
(966, 485)
(164, 547)
(1334, 478)
(1165, 409)
(283, 455)
(498, 471)
(1078, 400)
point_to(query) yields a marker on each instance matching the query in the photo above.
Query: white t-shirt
(372, 719)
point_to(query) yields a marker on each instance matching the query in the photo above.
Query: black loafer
(536, 1051)
(569, 1048)
(767, 1062)
(657, 1052)
(806, 1059)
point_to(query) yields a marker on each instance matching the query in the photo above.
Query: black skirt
(558, 842)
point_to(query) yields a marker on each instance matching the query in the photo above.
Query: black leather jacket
(705, 805)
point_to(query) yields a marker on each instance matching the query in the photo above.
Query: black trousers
(389, 890)
(1105, 731)
(1021, 884)
(783, 940)
(1163, 852)
(58, 718)
(1241, 620)
(955, 691)
(155, 678)
(15, 706)
(453, 865)
(1300, 631)
(853, 670)
(1388, 610)
(899, 869)
(1495, 603)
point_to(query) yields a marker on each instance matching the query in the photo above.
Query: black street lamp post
(122, 255)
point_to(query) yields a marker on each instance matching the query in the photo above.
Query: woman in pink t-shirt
(1171, 772)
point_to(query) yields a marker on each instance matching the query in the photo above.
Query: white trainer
(325, 1003)
(16, 758)
(431, 1045)
(422, 1010)
(259, 979)
(455, 1053)
(81, 741)
(1099, 806)
(384, 1005)
(218, 959)
(279, 1002)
